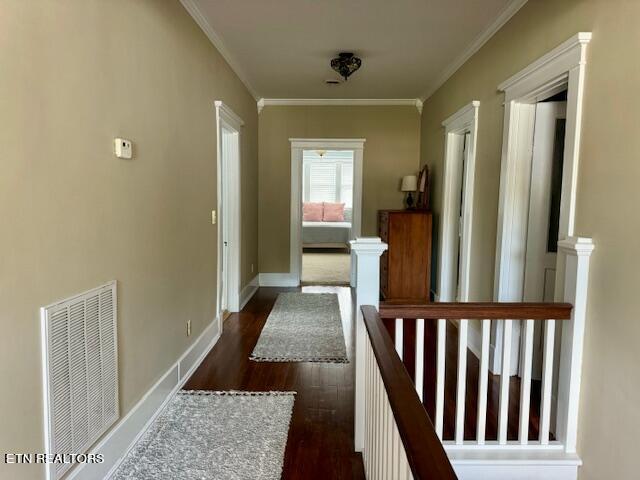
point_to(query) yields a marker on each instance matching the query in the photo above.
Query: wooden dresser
(405, 269)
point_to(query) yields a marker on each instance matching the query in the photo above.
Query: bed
(327, 234)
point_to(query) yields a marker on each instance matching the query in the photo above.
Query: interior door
(463, 169)
(544, 211)
(227, 138)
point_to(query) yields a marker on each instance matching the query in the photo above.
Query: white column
(366, 251)
(577, 251)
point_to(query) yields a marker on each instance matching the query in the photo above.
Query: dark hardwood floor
(320, 444)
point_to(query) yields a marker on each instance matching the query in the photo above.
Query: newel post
(577, 251)
(365, 254)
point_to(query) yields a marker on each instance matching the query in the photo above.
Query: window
(328, 177)
(322, 182)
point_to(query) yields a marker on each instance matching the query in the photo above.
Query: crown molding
(192, 8)
(350, 102)
(509, 11)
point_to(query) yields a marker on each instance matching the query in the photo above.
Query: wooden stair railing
(397, 316)
(497, 441)
(395, 414)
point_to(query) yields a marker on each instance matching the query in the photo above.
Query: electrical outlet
(188, 328)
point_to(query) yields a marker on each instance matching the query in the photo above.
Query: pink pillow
(312, 212)
(333, 212)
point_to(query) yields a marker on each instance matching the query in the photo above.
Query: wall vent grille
(80, 359)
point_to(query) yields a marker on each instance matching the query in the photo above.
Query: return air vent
(80, 372)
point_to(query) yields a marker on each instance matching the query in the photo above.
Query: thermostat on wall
(122, 147)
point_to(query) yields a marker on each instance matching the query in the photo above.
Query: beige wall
(391, 151)
(607, 199)
(76, 74)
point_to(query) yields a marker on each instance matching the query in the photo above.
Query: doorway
(457, 200)
(560, 70)
(544, 212)
(327, 213)
(326, 204)
(229, 127)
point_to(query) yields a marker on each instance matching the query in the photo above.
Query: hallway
(320, 443)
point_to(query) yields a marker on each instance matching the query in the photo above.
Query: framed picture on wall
(423, 189)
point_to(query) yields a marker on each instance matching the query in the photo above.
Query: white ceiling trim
(509, 11)
(191, 7)
(353, 102)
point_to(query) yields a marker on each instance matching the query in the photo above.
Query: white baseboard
(278, 280)
(515, 465)
(115, 445)
(249, 291)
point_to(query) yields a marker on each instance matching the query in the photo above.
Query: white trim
(563, 67)
(229, 115)
(278, 280)
(332, 143)
(576, 252)
(350, 102)
(456, 126)
(249, 291)
(298, 145)
(122, 437)
(227, 118)
(565, 56)
(512, 461)
(192, 8)
(509, 11)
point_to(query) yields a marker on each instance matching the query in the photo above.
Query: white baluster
(397, 445)
(440, 361)
(419, 382)
(483, 381)
(367, 253)
(525, 383)
(505, 378)
(462, 380)
(388, 451)
(547, 380)
(399, 329)
(369, 408)
(378, 434)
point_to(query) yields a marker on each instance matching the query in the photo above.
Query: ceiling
(282, 48)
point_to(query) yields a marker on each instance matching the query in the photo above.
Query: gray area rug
(208, 435)
(302, 327)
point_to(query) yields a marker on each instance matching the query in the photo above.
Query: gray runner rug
(208, 435)
(302, 327)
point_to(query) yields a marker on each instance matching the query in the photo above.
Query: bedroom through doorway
(327, 216)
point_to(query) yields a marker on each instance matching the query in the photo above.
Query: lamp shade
(409, 183)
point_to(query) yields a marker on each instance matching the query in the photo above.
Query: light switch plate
(213, 217)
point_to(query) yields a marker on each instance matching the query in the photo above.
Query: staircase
(507, 427)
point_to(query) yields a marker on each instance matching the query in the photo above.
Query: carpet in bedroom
(326, 268)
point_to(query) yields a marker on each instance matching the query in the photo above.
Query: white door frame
(298, 145)
(456, 126)
(225, 117)
(562, 68)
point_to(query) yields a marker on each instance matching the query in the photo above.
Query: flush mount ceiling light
(345, 64)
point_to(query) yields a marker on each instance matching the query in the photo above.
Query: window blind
(328, 178)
